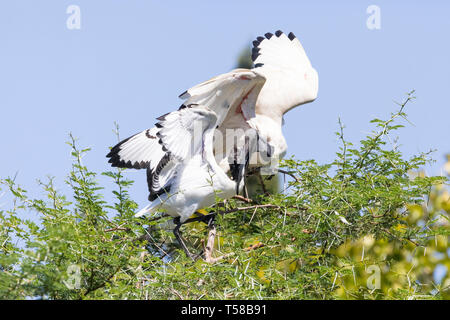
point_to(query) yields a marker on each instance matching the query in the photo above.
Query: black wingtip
(116, 161)
(114, 152)
(268, 35)
(163, 117)
(255, 53)
(163, 147)
(183, 94)
(291, 36)
(278, 33)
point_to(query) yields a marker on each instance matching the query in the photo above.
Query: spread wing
(225, 93)
(138, 151)
(222, 95)
(282, 79)
(290, 78)
(181, 132)
(181, 135)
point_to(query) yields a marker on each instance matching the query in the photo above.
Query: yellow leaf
(368, 241)
(252, 242)
(445, 200)
(287, 266)
(447, 165)
(400, 227)
(261, 275)
(290, 249)
(441, 242)
(198, 213)
(416, 211)
(202, 211)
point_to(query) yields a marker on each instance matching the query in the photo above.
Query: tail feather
(148, 209)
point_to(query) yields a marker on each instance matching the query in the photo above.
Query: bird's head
(255, 149)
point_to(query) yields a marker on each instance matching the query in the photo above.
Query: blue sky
(131, 59)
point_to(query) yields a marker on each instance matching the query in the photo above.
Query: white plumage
(194, 178)
(241, 99)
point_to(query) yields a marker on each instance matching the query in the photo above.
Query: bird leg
(176, 232)
(261, 180)
(207, 219)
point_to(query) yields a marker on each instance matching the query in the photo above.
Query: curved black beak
(240, 164)
(241, 160)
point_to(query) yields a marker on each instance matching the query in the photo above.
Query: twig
(117, 229)
(252, 247)
(244, 199)
(255, 246)
(214, 260)
(158, 217)
(176, 293)
(210, 245)
(393, 235)
(257, 206)
(261, 206)
(384, 130)
(251, 219)
(100, 285)
(291, 174)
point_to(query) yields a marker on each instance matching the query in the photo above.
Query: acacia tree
(362, 226)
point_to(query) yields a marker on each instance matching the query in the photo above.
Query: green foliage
(71, 241)
(318, 239)
(245, 59)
